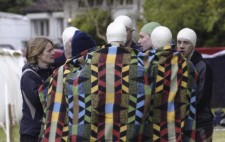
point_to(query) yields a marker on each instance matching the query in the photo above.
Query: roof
(8, 15)
(45, 6)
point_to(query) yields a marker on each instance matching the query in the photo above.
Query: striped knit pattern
(120, 95)
(113, 81)
(53, 96)
(173, 98)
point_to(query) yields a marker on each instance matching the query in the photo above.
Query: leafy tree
(203, 16)
(94, 22)
(14, 6)
(95, 26)
(214, 22)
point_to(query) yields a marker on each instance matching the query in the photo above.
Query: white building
(47, 19)
(14, 30)
(50, 17)
(131, 8)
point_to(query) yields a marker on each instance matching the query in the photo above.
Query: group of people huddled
(152, 90)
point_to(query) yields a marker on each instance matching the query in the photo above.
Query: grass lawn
(214, 109)
(14, 138)
(218, 135)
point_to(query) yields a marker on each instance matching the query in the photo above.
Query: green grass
(214, 109)
(14, 138)
(218, 136)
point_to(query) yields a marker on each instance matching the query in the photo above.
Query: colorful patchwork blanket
(120, 94)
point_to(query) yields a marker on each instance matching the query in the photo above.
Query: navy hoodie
(31, 79)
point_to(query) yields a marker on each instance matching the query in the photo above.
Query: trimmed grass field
(14, 138)
(219, 135)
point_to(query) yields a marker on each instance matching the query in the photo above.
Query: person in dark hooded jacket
(40, 55)
(186, 41)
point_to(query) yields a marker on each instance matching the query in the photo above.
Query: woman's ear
(39, 55)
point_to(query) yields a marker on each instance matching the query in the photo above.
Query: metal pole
(7, 114)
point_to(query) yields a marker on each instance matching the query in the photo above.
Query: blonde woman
(39, 57)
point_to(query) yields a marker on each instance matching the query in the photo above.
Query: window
(129, 1)
(81, 3)
(41, 27)
(110, 2)
(99, 2)
(91, 3)
(120, 2)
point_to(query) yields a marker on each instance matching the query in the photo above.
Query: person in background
(55, 94)
(129, 28)
(145, 35)
(218, 116)
(186, 41)
(67, 36)
(40, 55)
(173, 90)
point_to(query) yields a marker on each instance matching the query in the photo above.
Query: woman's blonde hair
(35, 47)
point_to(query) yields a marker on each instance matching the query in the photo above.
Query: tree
(94, 21)
(94, 26)
(203, 16)
(214, 22)
(14, 6)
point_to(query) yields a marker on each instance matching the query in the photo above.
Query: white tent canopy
(11, 63)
